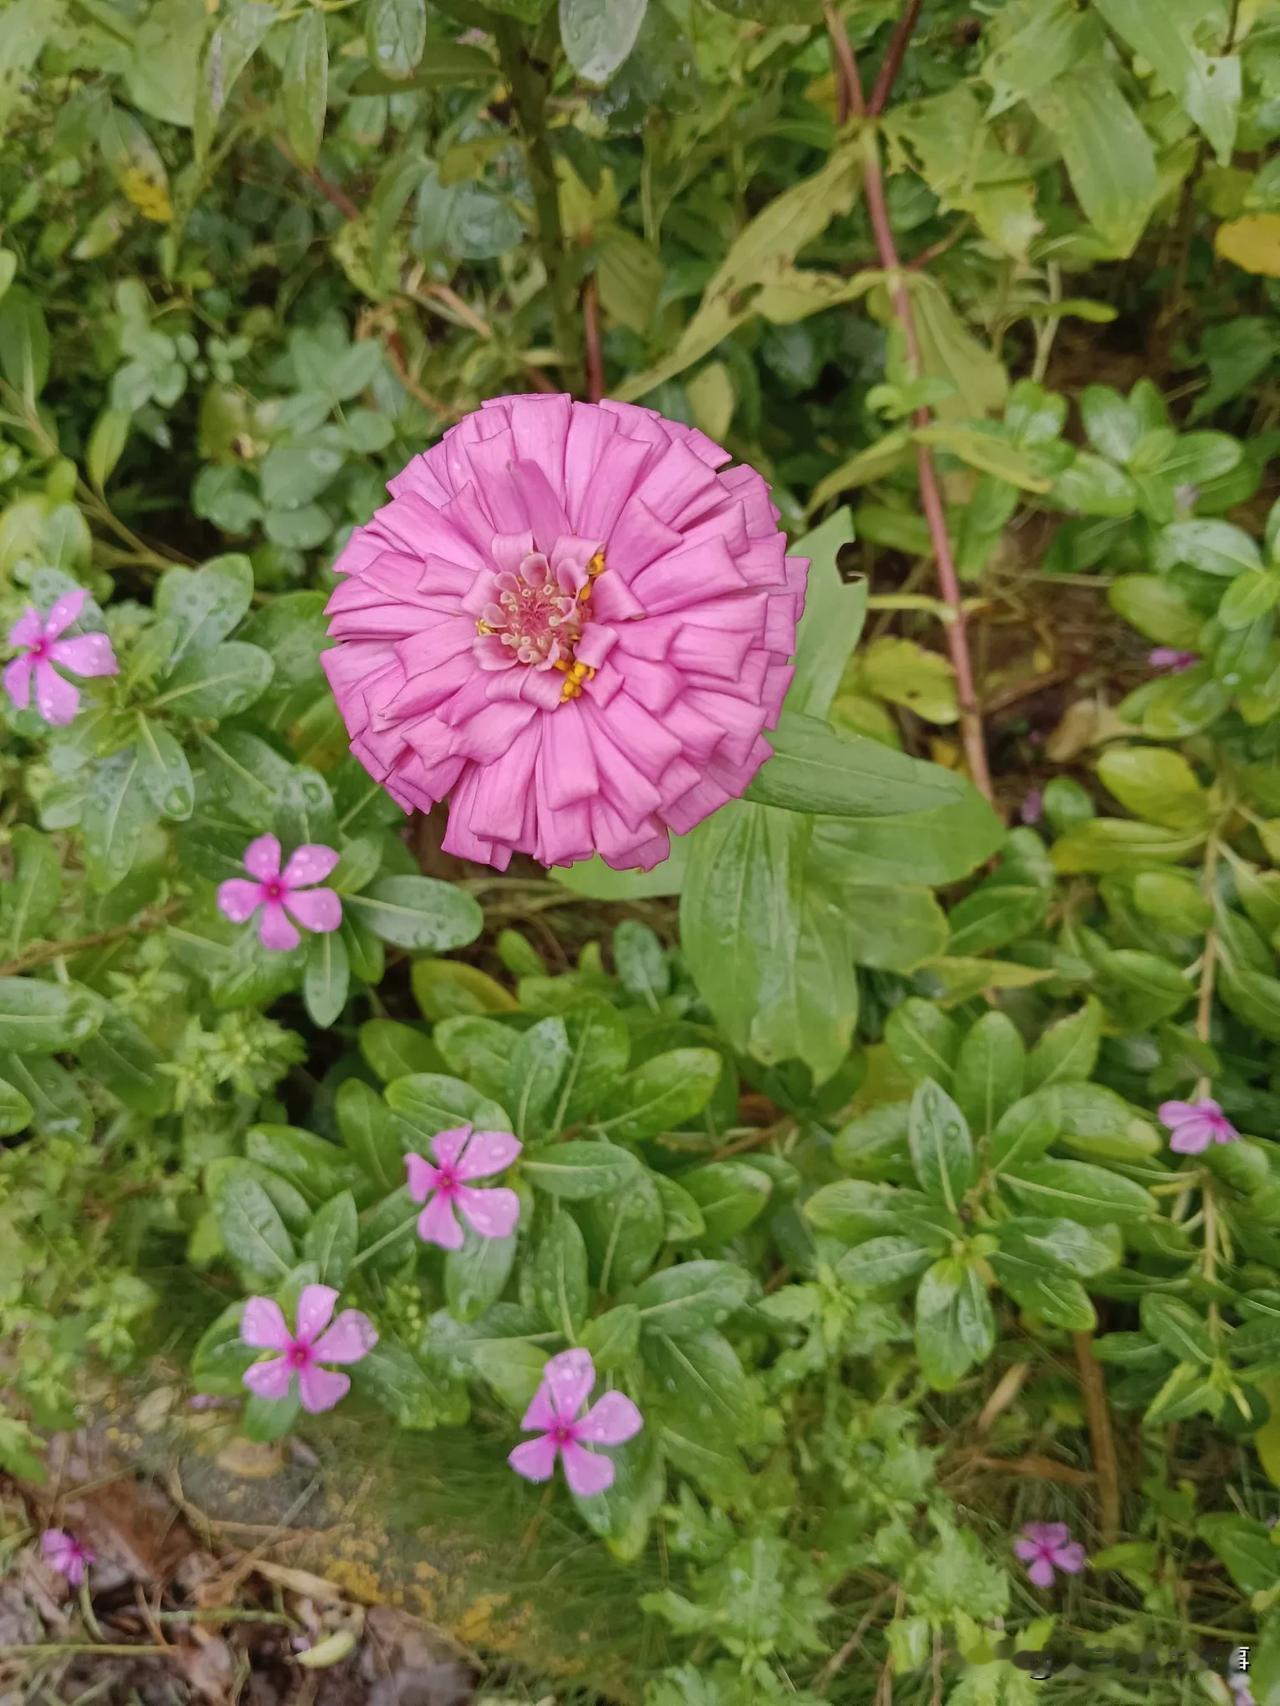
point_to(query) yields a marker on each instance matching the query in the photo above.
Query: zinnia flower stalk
(574, 622)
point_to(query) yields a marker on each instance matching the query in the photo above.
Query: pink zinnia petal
(423, 1177)
(488, 1152)
(17, 681)
(239, 899)
(612, 1420)
(263, 1325)
(447, 1146)
(569, 1377)
(262, 858)
(351, 1337)
(64, 612)
(320, 1389)
(87, 654)
(309, 864)
(269, 1379)
(28, 630)
(318, 909)
(315, 1310)
(535, 1459)
(275, 931)
(493, 1213)
(56, 700)
(437, 1224)
(585, 1472)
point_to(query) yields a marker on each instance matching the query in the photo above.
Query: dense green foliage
(844, 1164)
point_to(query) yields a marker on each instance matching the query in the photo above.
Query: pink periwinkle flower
(566, 1384)
(1032, 807)
(574, 622)
(351, 1337)
(1241, 1693)
(1045, 1547)
(281, 893)
(1195, 1125)
(1168, 660)
(41, 646)
(460, 1156)
(67, 1554)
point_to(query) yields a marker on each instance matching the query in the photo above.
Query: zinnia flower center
(539, 613)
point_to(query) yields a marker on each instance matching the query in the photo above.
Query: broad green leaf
(923, 1040)
(317, 1168)
(1077, 1190)
(599, 34)
(1177, 1327)
(641, 962)
(134, 162)
(941, 1147)
(625, 1231)
(306, 84)
(477, 1049)
(701, 1376)
(834, 611)
(731, 1195)
(117, 809)
(447, 64)
(249, 1221)
(406, 1391)
(163, 771)
(396, 31)
(934, 847)
(1041, 1288)
(24, 342)
(599, 1049)
(690, 1297)
(476, 1275)
(16, 1112)
(123, 1058)
(58, 1106)
(229, 49)
(1207, 88)
(1081, 1250)
(1246, 1547)
(1157, 785)
(394, 1050)
(332, 1238)
(537, 1066)
(1117, 844)
(578, 1169)
(660, 1095)
(374, 1136)
(1108, 155)
(814, 769)
(560, 1274)
(1068, 1050)
(326, 978)
(45, 1018)
(28, 899)
(217, 681)
(432, 1102)
(884, 1267)
(1213, 547)
(419, 912)
(989, 1070)
(955, 1327)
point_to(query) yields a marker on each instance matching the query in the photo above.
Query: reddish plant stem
(848, 83)
(591, 338)
(971, 735)
(902, 34)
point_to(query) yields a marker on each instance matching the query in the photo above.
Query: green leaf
(250, 1223)
(419, 912)
(396, 32)
(1077, 1190)
(814, 769)
(834, 611)
(923, 1040)
(1081, 1250)
(1177, 1327)
(612, 1338)
(24, 342)
(326, 978)
(989, 1070)
(1157, 609)
(106, 444)
(1157, 785)
(135, 163)
(29, 898)
(941, 1147)
(1068, 1051)
(432, 1102)
(476, 1275)
(45, 1018)
(1108, 155)
(576, 1170)
(376, 1139)
(690, 1297)
(305, 81)
(58, 1107)
(1117, 844)
(641, 962)
(884, 1267)
(660, 1095)
(399, 1383)
(163, 771)
(217, 681)
(332, 1239)
(204, 604)
(449, 63)
(1207, 88)
(229, 49)
(317, 1168)
(388, 1238)
(394, 1050)
(624, 1232)
(955, 1327)
(1040, 1288)
(116, 811)
(599, 1049)
(1189, 1391)
(126, 1062)
(1213, 547)
(730, 1194)
(933, 847)
(16, 1112)
(474, 1048)
(221, 1357)
(599, 34)
(702, 1379)
(537, 1065)
(560, 1274)
(1246, 1547)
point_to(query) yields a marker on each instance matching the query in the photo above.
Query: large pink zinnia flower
(569, 622)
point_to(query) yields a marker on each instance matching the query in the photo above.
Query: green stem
(528, 78)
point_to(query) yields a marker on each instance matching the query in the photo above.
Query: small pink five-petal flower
(460, 1156)
(42, 646)
(280, 893)
(1046, 1547)
(69, 1556)
(1195, 1125)
(351, 1337)
(1169, 660)
(566, 1384)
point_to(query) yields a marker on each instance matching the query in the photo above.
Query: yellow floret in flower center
(536, 617)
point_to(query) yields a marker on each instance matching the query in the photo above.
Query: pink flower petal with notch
(28, 630)
(269, 1379)
(1191, 1137)
(320, 1389)
(17, 681)
(488, 1152)
(1174, 1113)
(315, 1311)
(263, 1325)
(1048, 1533)
(1069, 1558)
(239, 899)
(318, 909)
(275, 932)
(569, 1377)
(309, 864)
(535, 1459)
(492, 1213)
(437, 1224)
(1027, 1550)
(422, 1176)
(262, 858)
(446, 1146)
(585, 1472)
(612, 1420)
(351, 1337)
(56, 700)
(87, 654)
(64, 612)
(1041, 1573)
